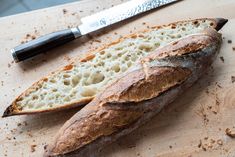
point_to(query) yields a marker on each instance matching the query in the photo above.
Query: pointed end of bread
(10, 111)
(220, 22)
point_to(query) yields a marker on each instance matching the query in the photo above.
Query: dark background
(11, 7)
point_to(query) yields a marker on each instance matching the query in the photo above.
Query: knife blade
(89, 24)
(118, 13)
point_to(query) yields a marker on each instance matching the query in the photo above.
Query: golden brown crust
(13, 109)
(139, 86)
(124, 101)
(100, 119)
(124, 90)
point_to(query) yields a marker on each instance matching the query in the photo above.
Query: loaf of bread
(131, 100)
(78, 83)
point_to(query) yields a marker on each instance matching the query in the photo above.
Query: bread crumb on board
(206, 143)
(221, 58)
(33, 146)
(230, 41)
(65, 11)
(230, 133)
(233, 79)
(200, 144)
(218, 85)
(45, 147)
(28, 37)
(220, 142)
(29, 134)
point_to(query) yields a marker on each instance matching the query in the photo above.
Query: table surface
(194, 125)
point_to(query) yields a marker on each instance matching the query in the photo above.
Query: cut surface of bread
(79, 82)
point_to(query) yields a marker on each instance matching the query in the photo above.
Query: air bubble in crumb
(88, 92)
(66, 82)
(75, 80)
(116, 68)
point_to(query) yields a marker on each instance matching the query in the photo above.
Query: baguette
(79, 82)
(136, 97)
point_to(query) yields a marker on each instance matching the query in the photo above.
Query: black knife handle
(44, 43)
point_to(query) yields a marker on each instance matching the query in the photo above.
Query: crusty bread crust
(134, 98)
(107, 121)
(13, 109)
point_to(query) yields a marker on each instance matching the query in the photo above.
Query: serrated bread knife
(89, 24)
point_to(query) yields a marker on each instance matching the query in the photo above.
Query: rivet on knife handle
(44, 43)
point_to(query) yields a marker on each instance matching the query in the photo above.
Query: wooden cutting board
(194, 125)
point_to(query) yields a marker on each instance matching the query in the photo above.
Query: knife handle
(44, 43)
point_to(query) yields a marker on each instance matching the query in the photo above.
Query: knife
(89, 24)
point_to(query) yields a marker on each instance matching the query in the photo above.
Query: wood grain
(201, 114)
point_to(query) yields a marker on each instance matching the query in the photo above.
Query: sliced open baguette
(79, 82)
(134, 98)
